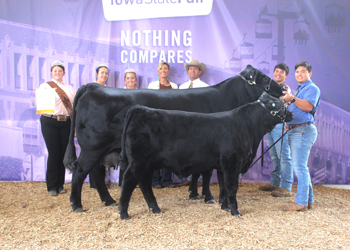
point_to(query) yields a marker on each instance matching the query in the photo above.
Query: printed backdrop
(226, 35)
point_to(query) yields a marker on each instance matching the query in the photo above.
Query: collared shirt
(156, 85)
(60, 109)
(196, 84)
(101, 84)
(284, 84)
(310, 92)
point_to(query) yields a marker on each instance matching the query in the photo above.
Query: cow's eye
(273, 104)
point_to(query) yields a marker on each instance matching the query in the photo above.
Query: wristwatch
(293, 100)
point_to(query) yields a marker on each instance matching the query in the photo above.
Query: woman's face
(102, 75)
(163, 71)
(130, 80)
(57, 73)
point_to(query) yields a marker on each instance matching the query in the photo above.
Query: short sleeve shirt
(310, 92)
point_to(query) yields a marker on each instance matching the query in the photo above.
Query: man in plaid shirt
(282, 175)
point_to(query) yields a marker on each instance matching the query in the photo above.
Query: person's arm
(302, 104)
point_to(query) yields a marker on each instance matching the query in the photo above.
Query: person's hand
(288, 97)
(286, 127)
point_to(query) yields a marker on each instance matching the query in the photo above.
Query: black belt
(60, 118)
(300, 125)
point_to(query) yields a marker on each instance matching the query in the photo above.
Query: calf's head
(255, 77)
(276, 107)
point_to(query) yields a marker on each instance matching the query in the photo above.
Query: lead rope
(282, 143)
(267, 150)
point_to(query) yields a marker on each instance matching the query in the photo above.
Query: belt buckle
(61, 118)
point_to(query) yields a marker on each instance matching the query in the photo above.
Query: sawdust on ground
(31, 219)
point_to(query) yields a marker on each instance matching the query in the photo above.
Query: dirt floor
(31, 219)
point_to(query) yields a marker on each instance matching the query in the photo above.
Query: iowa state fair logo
(117, 10)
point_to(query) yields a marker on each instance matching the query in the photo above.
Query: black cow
(187, 143)
(99, 113)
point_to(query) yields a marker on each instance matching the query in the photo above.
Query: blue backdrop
(226, 35)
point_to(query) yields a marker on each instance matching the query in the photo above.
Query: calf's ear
(248, 73)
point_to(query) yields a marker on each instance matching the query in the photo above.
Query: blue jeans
(189, 178)
(301, 140)
(162, 177)
(282, 174)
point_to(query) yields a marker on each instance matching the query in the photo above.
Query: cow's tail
(123, 160)
(70, 156)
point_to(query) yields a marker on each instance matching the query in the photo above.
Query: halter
(251, 82)
(275, 113)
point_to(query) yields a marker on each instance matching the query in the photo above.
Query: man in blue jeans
(302, 134)
(282, 174)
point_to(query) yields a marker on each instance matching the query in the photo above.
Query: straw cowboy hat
(201, 66)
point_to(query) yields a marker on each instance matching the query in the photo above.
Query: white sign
(45, 100)
(117, 10)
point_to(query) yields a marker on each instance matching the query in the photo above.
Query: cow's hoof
(235, 213)
(156, 210)
(195, 198)
(124, 217)
(227, 209)
(211, 201)
(79, 210)
(111, 204)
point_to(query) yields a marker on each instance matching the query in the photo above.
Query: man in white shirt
(194, 69)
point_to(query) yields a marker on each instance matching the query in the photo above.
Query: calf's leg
(128, 186)
(231, 176)
(193, 189)
(146, 187)
(223, 192)
(209, 199)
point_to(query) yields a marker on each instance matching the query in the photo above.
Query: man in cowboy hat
(194, 69)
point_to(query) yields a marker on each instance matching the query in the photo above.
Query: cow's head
(276, 107)
(255, 77)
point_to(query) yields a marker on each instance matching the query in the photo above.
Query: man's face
(194, 72)
(302, 75)
(279, 75)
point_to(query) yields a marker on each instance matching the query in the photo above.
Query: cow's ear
(248, 73)
(253, 75)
